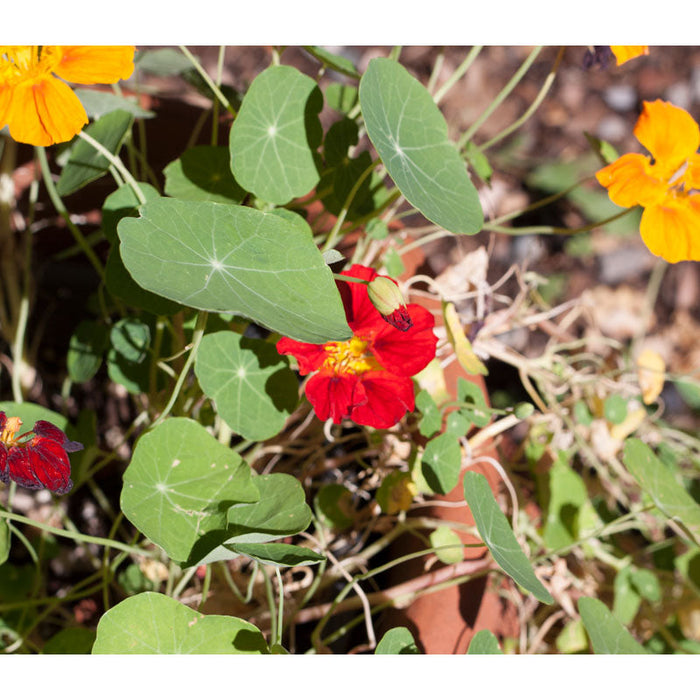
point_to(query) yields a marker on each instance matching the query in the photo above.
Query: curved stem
(458, 73)
(333, 235)
(77, 536)
(62, 211)
(531, 109)
(116, 161)
(212, 85)
(197, 336)
(510, 86)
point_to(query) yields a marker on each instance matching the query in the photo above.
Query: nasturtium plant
(288, 356)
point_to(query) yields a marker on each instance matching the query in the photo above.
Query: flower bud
(388, 300)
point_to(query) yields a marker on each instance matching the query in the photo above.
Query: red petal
(406, 353)
(362, 317)
(334, 396)
(388, 399)
(309, 356)
(41, 463)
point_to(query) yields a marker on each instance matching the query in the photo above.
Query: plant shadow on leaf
(247, 640)
(281, 386)
(312, 124)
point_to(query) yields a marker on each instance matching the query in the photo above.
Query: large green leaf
(85, 164)
(251, 383)
(660, 482)
(274, 139)
(179, 485)
(235, 259)
(607, 635)
(498, 536)
(152, 623)
(410, 135)
(86, 347)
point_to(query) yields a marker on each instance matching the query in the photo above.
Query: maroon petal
(48, 430)
(4, 474)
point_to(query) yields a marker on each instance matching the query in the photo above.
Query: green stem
(63, 212)
(531, 109)
(510, 86)
(197, 336)
(117, 163)
(77, 536)
(333, 235)
(556, 230)
(212, 85)
(458, 73)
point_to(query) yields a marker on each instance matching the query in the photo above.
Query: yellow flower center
(349, 357)
(12, 425)
(19, 63)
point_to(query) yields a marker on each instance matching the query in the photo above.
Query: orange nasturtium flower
(39, 108)
(627, 53)
(667, 185)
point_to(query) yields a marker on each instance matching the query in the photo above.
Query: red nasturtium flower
(39, 108)
(39, 462)
(667, 185)
(367, 378)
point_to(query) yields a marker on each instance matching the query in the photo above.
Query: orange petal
(671, 229)
(626, 53)
(669, 133)
(44, 112)
(629, 182)
(95, 64)
(691, 177)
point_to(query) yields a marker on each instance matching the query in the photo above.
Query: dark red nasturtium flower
(36, 462)
(367, 378)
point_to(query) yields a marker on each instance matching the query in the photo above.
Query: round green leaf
(498, 536)
(484, 642)
(274, 139)
(203, 173)
(398, 640)
(123, 202)
(448, 546)
(333, 504)
(410, 135)
(280, 511)
(252, 385)
(179, 485)
(85, 350)
(235, 259)
(615, 409)
(130, 338)
(152, 623)
(441, 462)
